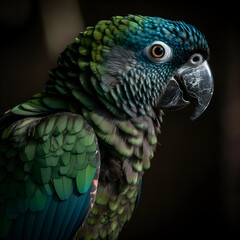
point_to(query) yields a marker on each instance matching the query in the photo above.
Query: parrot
(72, 157)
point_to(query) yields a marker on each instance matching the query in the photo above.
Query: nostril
(196, 59)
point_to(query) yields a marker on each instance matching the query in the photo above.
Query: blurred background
(192, 189)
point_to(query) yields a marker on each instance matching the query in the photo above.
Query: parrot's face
(156, 62)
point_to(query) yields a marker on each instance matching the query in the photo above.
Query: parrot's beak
(194, 78)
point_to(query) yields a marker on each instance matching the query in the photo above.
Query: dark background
(192, 190)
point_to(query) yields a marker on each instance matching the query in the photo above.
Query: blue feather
(83, 213)
(29, 222)
(17, 228)
(47, 225)
(75, 215)
(72, 202)
(39, 220)
(61, 211)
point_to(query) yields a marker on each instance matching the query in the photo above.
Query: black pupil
(158, 51)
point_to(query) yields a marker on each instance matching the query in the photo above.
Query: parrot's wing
(49, 169)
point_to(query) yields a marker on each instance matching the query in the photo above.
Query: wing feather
(50, 166)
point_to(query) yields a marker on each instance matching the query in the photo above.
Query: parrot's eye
(158, 52)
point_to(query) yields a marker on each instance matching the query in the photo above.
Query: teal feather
(59, 219)
(47, 224)
(56, 219)
(72, 202)
(29, 221)
(80, 203)
(17, 228)
(82, 214)
(39, 220)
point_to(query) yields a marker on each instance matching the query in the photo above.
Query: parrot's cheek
(194, 80)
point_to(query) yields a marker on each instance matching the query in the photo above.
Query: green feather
(102, 123)
(152, 139)
(61, 90)
(84, 179)
(7, 131)
(92, 147)
(59, 140)
(79, 148)
(138, 166)
(81, 160)
(40, 131)
(113, 205)
(85, 99)
(70, 124)
(84, 80)
(120, 210)
(30, 187)
(5, 224)
(48, 161)
(59, 74)
(28, 167)
(30, 150)
(10, 153)
(60, 124)
(83, 65)
(54, 103)
(96, 85)
(68, 147)
(63, 187)
(113, 225)
(137, 141)
(11, 165)
(41, 150)
(29, 106)
(103, 233)
(77, 125)
(120, 145)
(83, 51)
(69, 139)
(97, 35)
(49, 125)
(87, 141)
(59, 152)
(47, 189)
(18, 110)
(37, 201)
(127, 127)
(20, 175)
(103, 196)
(41, 174)
(63, 170)
(65, 158)
(146, 164)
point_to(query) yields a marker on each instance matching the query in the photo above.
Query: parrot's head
(149, 63)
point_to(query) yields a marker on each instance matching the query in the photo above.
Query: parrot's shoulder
(42, 158)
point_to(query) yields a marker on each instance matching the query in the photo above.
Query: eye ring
(158, 52)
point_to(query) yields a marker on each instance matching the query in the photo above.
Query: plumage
(73, 156)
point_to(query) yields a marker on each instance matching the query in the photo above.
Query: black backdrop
(192, 188)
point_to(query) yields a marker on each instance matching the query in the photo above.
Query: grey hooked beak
(195, 79)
